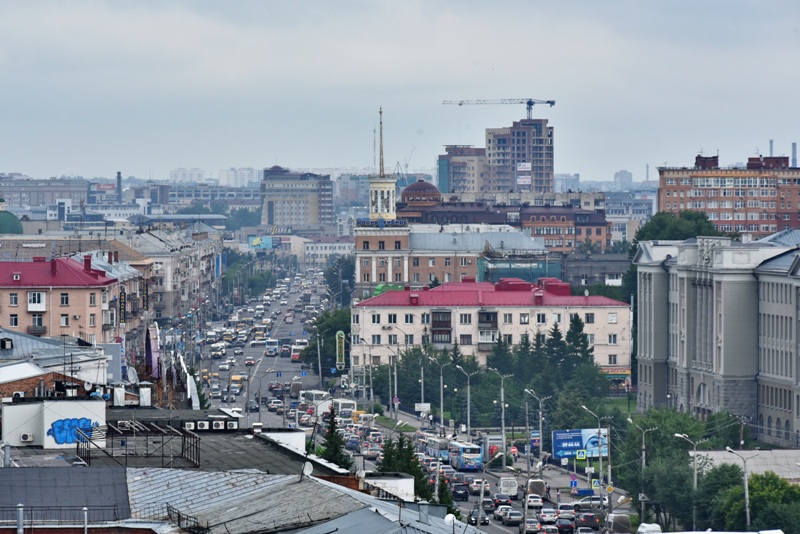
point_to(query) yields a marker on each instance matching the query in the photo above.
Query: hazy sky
(89, 88)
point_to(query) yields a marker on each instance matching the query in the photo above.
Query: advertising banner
(566, 443)
(524, 179)
(524, 166)
(122, 307)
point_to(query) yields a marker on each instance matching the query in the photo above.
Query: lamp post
(469, 401)
(599, 446)
(746, 491)
(694, 473)
(644, 432)
(502, 404)
(441, 390)
(266, 372)
(541, 418)
(483, 483)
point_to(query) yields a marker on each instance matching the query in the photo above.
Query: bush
(377, 408)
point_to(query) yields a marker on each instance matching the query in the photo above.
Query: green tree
(434, 283)
(556, 348)
(711, 487)
(399, 457)
(242, 217)
(339, 276)
(445, 497)
(327, 324)
(578, 348)
(334, 444)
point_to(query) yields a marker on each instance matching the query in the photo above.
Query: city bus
(465, 456)
(272, 347)
(313, 396)
(438, 448)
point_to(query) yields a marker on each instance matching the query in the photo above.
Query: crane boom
(529, 102)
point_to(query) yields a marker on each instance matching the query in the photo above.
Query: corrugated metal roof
(38, 274)
(786, 238)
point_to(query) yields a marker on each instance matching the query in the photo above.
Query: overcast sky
(143, 87)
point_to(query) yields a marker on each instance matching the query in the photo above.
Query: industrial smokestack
(770, 147)
(794, 155)
(119, 187)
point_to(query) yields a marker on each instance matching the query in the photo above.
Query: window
(365, 277)
(376, 339)
(65, 299)
(557, 318)
(365, 245)
(409, 318)
(382, 277)
(397, 245)
(465, 339)
(13, 299)
(409, 339)
(465, 262)
(425, 318)
(590, 339)
(488, 336)
(589, 318)
(508, 339)
(431, 262)
(356, 319)
(447, 262)
(431, 277)
(392, 339)
(392, 318)
(446, 277)
(35, 297)
(524, 318)
(415, 278)
(398, 277)
(376, 318)
(465, 318)
(508, 318)
(37, 319)
(415, 262)
(612, 359)
(355, 339)
(13, 320)
(541, 318)
(365, 262)
(542, 338)
(612, 318)
(64, 319)
(381, 245)
(612, 339)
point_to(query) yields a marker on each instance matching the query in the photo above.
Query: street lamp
(599, 446)
(694, 473)
(502, 403)
(746, 492)
(441, 390)
(644, 432)
(541, 417)
(483, 482)
(469, 400)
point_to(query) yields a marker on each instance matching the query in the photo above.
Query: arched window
(769, 425)
(786, 430)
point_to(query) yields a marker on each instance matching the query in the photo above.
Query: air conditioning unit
(188, 425)
(202, 425)
(233, 425)
(76, 317)
(18, 395)
(386, 327)
(26, 437)
(218, 425)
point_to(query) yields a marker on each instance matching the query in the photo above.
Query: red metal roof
(59, 272)
(507, 292)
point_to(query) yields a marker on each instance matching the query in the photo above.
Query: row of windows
(37, 319)
(398, 277)
(38, 298)
(398, 262)
(466, 319)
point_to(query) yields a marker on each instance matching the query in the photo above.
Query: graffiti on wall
(65, 431)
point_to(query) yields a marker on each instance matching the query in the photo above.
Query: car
(512, 518)
(238, 351)
(224, 366)
(487, 505)
(305, 420)
(237, 344)
(352, 443)
(584, 530)
(587, 520)
(566, 510)
(475, 486)
(500, 511)
(565, 526)
(273, 404)
(371, 452)
(258, 343)
(253, 406)
(228, 398)
(530, 526)
(596, 500)
(459, 478)
(501, 498)
(460, 492)
(478, 516)
(548, 515)
(235, 389)
(284, 302)
(250, 310)
(533, 501)
(249, 361)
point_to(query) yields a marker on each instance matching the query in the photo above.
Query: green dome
(9, 224)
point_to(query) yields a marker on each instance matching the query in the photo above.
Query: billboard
(566, 443)
(524, 166)
(261, 242)
(97, 187)
(524, 179)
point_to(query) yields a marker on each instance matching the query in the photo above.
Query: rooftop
(58, 272)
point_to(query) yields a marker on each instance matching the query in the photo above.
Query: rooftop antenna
(380, 171)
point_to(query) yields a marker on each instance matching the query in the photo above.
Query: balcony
(107, 327)
(37, 330)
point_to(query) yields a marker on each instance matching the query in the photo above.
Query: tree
(578, 348)
(327, 324)
(555, 348)
(339, 276)
(399, 457)
(334, 444)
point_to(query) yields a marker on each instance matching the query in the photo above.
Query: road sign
(573, 491)
(291, 333)
(595, 482)
(305, 333)
(610, 489)
(573, 476)
(303, 373)
(573, 483)
(333, 370)
(580, 454)
(278, 374)
(565, 461)
(590, 470)
(422, 406)
(340, 350)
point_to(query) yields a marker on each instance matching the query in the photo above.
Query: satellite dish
(88, 386)
(449, 520)
(308, 468)
(133, 376)
(585, 292)
(360, 473)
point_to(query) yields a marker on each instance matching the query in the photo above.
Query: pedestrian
(547, 491)
(558, 496)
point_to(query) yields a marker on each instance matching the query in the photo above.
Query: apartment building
(520, 157)
(296, 199)
(715, 322)
(462, 169)
(760, 199)
(319, 251)
(27, 193)
(476, 315)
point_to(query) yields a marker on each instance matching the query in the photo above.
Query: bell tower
(382, 189)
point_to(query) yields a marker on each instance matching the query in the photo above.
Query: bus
(465, 456)
(438, 448)
(313, 396)
(218, 350)
(259, 331)
(345, 408)
(272, 347)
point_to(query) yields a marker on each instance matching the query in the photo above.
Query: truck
(294, 390)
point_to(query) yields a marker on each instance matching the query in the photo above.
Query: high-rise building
(187, 175)
(760, 199)
(462, 169)
(239, 177)
(296, 199)
(520, 157)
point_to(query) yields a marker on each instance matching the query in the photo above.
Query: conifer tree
(334, 444)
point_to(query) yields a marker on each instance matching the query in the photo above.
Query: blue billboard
(566, 443)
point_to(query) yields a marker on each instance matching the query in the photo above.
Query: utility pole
(469, 401)
(319, 359)
(502, 405)
(441, 392)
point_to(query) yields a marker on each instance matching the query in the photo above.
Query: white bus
(272, 347)
(313, 396)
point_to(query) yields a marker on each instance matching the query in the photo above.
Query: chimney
(119, 187)
(110, 257)
(116, 256)
(87, 262)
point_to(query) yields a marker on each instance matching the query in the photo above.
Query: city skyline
(145, 87)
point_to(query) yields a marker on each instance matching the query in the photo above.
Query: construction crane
(529, 102)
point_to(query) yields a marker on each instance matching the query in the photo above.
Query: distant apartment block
(520, 157)
(567, 182)
(462, 169)
(32, 193)
(296, 199)
(760, 199)
(187, 175)
(239, 177)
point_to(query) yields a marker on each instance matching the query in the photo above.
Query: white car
(500, 511)
(534, 501)
(596, 500)
(284, 302)
(224, 366)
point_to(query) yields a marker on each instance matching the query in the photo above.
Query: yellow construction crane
(529, 102)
